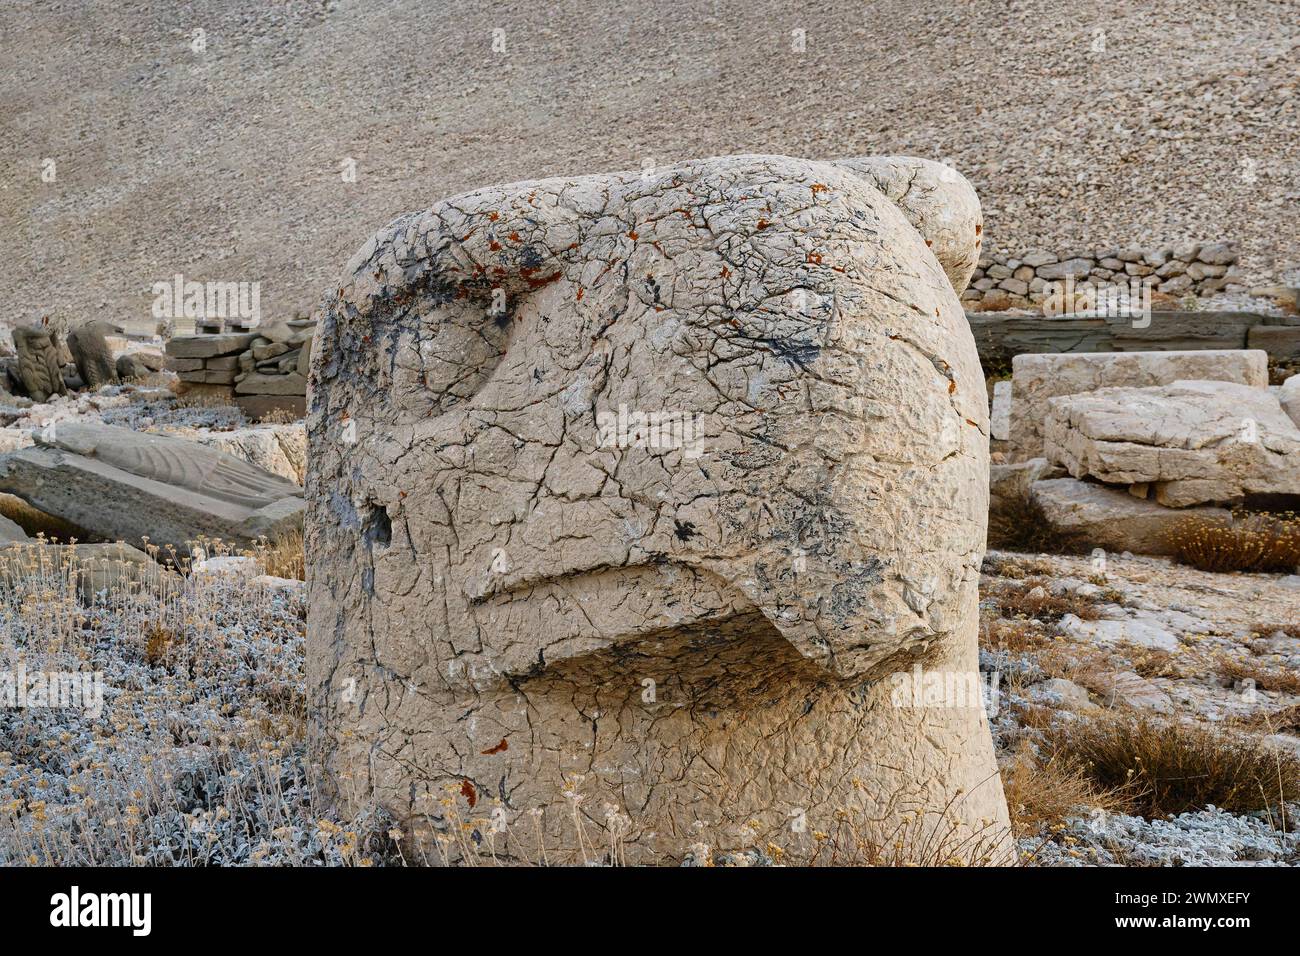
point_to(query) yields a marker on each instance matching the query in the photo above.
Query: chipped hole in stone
(379, 527)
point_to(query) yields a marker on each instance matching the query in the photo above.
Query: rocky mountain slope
(222, 155)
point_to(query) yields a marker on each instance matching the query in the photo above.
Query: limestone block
(1113, 520)
(1192, 442)
(1038, 378)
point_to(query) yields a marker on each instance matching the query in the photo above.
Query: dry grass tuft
(1234, 670)
(1032, 598)
(1041, 793)
(1254, 541)
(281, 557)
(1167, 768)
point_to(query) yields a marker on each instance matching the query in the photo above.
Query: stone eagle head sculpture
(639, 490)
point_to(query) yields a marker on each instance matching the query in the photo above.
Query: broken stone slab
(1111, 519)
(208, 346)
(125, 485)
(138, 365)
(184, 364)
(1036, 379)
(263, 352)
(1281, 342)
(1063, 693)
(1129, 689)
(11, 532)
(256, 383)
(722, 633)
(1191, 442)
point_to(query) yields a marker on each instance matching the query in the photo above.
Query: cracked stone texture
(1037, 379)
(1192, 442)
(492, 590)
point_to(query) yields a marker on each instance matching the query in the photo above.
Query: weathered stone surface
(1111, 519)
(184, 364)
(10, 532)
(126, 485)
(1036, 379)
(1000, 413)
(1010, 483)
(1281, 342)
(512, 597)
(208, 346)
(279, 449)
(91, 353)
(138, 365)
(1192, 442)
(257, 383)
(39, 363)
(1289, 397)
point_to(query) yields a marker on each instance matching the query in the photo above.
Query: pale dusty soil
(226, 165)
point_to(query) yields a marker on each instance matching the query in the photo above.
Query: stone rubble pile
(1121, 447)
(1003, 282)
(261, 371)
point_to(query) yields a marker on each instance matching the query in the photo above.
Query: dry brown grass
(1041, 793)
(1021, 525)
(1152, 662)
(1253, 541)
(1168, 768)
(1032, 598)
(1268, 630)
(1014, 637)
(281, 557)
(1235, 670)
(36, 522)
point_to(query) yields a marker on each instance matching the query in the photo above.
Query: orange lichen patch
(493, 216)
(514, 237)
(632, 236)
(578, 297)
(972, 424)
(929, 242)
(819, 188)
(763, 224)
(725, 272)
(815, 258)
(468, 792)
(979, 227)
(494, 246)
(504, 745)
(952, 387)
(546, 280)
